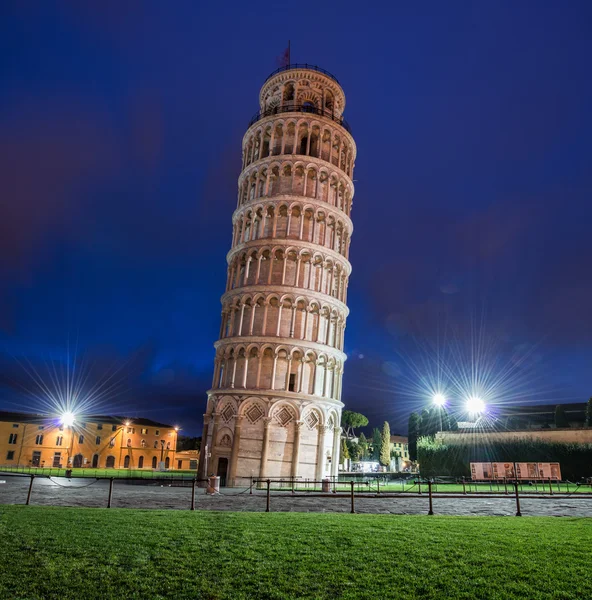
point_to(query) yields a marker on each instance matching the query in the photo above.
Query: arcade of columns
(274, 408)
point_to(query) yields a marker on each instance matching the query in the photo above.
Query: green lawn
(61, 553)
(118, 473)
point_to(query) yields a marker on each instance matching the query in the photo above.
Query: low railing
(304, 66)
(302, 108)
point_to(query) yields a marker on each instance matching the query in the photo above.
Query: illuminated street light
(439, 399)
(67, 419)
(475, 405)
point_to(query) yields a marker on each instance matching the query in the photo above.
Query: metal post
(193, 493)
(110, 492)
(506, 485)
(353, 510)
(518, 513)
(378, 484)
(30, 490)
(550, 487)
(251, 487)
(268, 486)
(419, 485)
(292, 485)
(431, 511)
(464, 488)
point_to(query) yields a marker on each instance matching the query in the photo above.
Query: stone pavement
(59, 491)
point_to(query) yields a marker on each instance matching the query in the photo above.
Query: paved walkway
(59, 491)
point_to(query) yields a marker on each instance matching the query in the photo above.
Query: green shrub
(437, 458)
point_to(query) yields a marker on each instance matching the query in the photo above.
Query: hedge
(437, 458)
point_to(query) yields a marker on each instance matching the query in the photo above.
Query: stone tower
(274, 409)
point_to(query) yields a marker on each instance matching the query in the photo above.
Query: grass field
(60, 553)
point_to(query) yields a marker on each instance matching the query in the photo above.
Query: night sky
(120, 144)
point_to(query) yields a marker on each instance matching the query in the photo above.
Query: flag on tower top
(284, 58)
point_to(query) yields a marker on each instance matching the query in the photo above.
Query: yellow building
(95, 441)
(399, 446)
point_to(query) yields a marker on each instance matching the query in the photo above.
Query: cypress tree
(385, 445)
(376, 442)
(413, 434)
(589, 413)
(363, 442)
(344, 454)
(560, 417)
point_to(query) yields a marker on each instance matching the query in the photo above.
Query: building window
(129, 443)
(15, 425)
(126, 462)
(154, 462)
(157, 432)
(81, 439)
(113, 427)
(167, 462)
(98, 440)
(179, 464)
(143, 443)
(100, 426)
(141, 462)
(168, 445)
(156, 444)
(39, 439)
(41, 427)
(144, 432)
(131, 430)
(112, 442)
(10, 455)
(110, 462)
(292, 382)
(12, 438)
(57, 459)
(59, 440)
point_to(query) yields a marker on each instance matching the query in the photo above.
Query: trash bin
(68, 472)
(326, 485)
(213, 485)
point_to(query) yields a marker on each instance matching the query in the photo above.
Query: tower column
(335, 455)
(296, 449)
(321, 452)
(264, 448)
(235, 446)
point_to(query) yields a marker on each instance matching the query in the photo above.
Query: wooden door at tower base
(222, 470)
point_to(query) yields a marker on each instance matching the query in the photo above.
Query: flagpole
(289, 52)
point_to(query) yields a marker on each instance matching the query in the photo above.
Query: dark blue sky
(120, 133)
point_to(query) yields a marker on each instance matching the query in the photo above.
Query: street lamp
(475, 405)
(439, 399)
(67, 419)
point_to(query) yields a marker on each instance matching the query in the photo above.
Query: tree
(363, 444)
(413, 434)
(424, 423)
(185, 442)
(350, 420)
(344, 454)
(353, 449)
(376, 442)
(560, 417)
(589, 413)
(385, 445)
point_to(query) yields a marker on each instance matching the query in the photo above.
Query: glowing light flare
(67, 419)
(475, 405)
(439, 399)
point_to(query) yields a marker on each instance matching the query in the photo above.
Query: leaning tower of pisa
(274, 408)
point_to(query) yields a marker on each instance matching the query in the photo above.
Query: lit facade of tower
(274, 409)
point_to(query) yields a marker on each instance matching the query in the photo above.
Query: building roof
(399, 439)
(574, 411)
(19, 417)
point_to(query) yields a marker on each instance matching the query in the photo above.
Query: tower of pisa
(274, 409)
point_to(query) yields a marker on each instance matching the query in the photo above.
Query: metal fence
(303, 108)
(164, 492)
